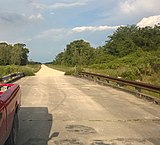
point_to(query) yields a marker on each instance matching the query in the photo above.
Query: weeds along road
(64, 110)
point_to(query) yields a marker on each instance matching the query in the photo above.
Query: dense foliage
(13, 54)
(131, 52)
(78, 52)
(14, 58)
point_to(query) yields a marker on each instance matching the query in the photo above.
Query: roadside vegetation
(14, 58)
(132, 53)
(29, 70)
(67, 69)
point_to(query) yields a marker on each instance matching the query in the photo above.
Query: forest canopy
(16, 54)
(124, 41)
(131, 52)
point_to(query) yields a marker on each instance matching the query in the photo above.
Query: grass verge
(29, 70)
(110, 72)
(66, 69)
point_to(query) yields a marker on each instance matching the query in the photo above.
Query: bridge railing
(131, 86)
(11, 77)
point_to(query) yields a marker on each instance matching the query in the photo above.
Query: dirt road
(64, 110)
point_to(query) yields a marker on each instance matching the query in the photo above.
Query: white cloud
(12, 18)
(93, 28)
(139, 6)
(38, 5)
(66, 5)
(55, 34)
(52, 13)
(150, 21)
(35, 17)
(57, 5)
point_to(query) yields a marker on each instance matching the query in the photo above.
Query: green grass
(68, 70)
(153, 79)
(60, 67)
(29, 70)
(127, 74)
(123, 72)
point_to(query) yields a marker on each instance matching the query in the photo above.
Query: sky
(47, 26)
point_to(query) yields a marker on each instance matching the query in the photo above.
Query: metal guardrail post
(140, 85)
(11, 77)
(138, 89)
(120, 83)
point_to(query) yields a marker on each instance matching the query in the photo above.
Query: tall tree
(78, 52)
(13, 54)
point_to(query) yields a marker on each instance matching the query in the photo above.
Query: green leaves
(16, 54)
(128, 39)
(77, 52)
(28, 70)
(131, 53)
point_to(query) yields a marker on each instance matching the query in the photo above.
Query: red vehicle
(10, 100)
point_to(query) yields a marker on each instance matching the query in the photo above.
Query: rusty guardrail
(11, 77)
(120, 83)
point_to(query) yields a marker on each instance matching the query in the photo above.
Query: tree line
(129, 51)
(16, 54)
(124, 41)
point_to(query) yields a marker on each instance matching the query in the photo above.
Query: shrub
(70, 72)
(74, 71)
(28, 70)
(130, 74)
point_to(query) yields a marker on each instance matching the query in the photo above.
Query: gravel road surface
(64, 110)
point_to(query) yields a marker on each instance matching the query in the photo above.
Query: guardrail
(137, 87)
(11, 77)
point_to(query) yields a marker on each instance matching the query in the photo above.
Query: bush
(74, 71)
(28, 70)
(70, 72)
(35, 67)
(99, 66)
(130, 74)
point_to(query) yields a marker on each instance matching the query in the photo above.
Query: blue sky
(47, 26)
